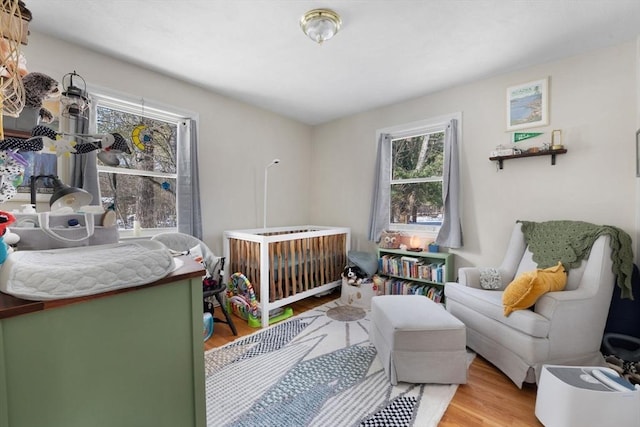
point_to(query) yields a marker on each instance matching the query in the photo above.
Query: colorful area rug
(315, 369)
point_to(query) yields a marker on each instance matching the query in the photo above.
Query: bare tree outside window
(416, 180)
(142, 186)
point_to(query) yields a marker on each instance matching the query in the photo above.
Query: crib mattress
(89, 270)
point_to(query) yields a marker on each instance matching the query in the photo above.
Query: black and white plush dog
(37, 88)
(354, 275)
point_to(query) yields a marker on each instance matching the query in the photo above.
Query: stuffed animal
(11, 239)
(389, 240)
(5, 219)
(354, 275)
(37, 88)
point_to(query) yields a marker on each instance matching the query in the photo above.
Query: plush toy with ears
(5, 219)
(37, 88)
(390, 240)
(354, 275)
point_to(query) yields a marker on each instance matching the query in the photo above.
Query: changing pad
(89, 270)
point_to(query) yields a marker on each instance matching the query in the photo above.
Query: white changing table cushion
(89, 270)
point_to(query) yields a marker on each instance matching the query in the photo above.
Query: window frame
(409, 130)
(154, 111)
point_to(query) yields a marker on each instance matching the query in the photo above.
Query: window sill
(144, 234)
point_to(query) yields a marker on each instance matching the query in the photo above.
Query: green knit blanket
(570, 242)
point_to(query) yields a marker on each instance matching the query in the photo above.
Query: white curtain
(450, 234)
(380, 202)
(188, 197)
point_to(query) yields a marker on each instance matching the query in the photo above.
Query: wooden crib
(287, 264)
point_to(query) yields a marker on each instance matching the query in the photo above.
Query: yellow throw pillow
(525, 289)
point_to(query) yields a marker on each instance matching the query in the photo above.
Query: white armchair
(563, 328)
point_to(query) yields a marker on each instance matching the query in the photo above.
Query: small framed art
(528, 105)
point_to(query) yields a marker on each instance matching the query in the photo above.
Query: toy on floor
(207, 319)
(241, 301)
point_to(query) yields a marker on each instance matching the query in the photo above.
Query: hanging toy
(12, 166)
(141, 137)
(90, 142)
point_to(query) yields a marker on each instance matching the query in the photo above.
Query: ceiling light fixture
(320, 24)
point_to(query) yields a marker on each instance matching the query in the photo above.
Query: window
(416, 164)
(416, 180)
(140, 185)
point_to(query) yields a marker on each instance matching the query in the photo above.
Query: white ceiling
(386, 52)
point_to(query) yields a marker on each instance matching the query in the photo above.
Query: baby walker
(241, 300)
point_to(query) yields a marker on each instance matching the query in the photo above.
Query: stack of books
(394, 286)
(410, 267)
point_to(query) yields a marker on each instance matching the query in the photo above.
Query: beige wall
(593, 101)
(326, 172)
(236, 140)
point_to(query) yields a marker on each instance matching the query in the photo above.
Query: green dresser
(125, 358)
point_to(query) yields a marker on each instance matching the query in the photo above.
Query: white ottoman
(417, 340)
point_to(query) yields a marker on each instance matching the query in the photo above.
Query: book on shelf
(395, 286)
(412, 267)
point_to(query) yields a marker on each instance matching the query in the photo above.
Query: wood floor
(488, 399)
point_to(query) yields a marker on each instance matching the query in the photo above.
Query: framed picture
(528, 105)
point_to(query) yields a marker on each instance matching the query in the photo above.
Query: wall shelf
(552, 153)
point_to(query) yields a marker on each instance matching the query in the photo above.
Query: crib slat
(293, 268)
(245, 257)
(343, 254)
(255, 263)
(305, 251)
(242, 256)
(272, 269)
(300, 269)
(323, 255)
(287, 270)
(253, 269)
(300, 265)
(284, 285)
(233, 255)
(319, 261)
(334, 257)
(330, 255)
(278, 270)
(246, 267)
(235, 251)
(314, 261)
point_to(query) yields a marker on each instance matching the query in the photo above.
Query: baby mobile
(74, 105)
(20, 89)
